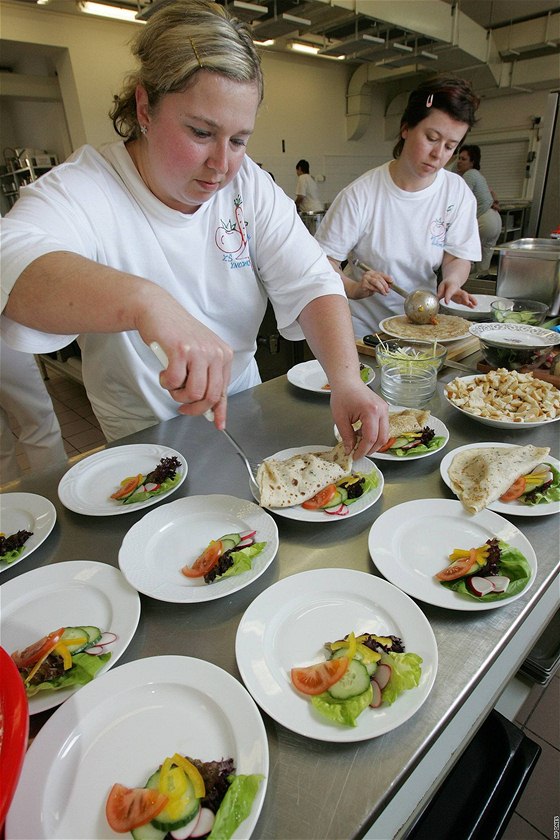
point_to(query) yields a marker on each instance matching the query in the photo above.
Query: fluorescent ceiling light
(104, 10)
(352, 45)
(275, 27)
(268, 43)
(303, 48)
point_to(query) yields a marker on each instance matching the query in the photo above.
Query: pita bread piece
(480, 476)
(300, 477)
(410, 420)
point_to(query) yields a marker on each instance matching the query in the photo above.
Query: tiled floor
(538, 717)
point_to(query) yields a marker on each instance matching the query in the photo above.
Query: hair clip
(430, 100)
(195, 51)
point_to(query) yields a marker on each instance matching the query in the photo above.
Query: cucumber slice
(355, 681)
(400, 441)
(370, 666)
(179, 811)
(80, 635)
(229, 541)
(338, 499)
(148, 832)
(93, 633)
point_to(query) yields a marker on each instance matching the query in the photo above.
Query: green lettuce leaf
(84, 668)
(551, 494)
(513, 565)
(370, 481)
(235, 806)
(431, 446)
(405, 674)
(342, 711)
(142, 495)
(242, 560)
(10, 556)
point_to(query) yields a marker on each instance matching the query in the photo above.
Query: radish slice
(204, 823)
(499, 582)
(382, 675)
(186, 830)
(150, 486)
(341, 510)
(479, 586)
(376, 698)
(248, 536)
(106, 639)
(95, 650)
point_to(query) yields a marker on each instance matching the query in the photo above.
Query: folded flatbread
(293, 481)
(410, 420)
(480, 476)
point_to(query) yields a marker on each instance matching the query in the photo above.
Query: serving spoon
(161, 355)
(420, 306)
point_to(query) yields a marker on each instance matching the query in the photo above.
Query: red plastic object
(14, 730)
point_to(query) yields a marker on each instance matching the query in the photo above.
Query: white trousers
(24, 395)
(489, 229)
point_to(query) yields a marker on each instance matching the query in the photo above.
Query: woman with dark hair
(173, 235)
(488, 219)
(409, 218)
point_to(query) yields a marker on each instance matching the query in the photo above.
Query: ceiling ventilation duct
(276, 27)
(350, 46)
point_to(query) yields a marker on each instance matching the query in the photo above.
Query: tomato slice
(206, 561)
(459, 568)
(129, 808)
(128, 486)
(314, 679)
(515, 491)
(322, 498)
(30, 655)
(387, 445)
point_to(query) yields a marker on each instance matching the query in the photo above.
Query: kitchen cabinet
(18, 172)
(514, 219)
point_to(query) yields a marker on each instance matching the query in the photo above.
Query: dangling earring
(143, 129)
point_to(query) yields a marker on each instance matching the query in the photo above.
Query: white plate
(155, 549)
(87, 486)
(311, 377)
(119, 729)
(480, 312)
(515, 335)
(362, 465)
(67, 594)
(515, 508)
(383, 328)
(26, 512)
(434, 423)
(411, 542)
(488, 421)
(288, 625)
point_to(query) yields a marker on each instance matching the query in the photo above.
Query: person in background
(23, 395)
(409, 219)
(488, 219)
(307, 192)
(173, 235)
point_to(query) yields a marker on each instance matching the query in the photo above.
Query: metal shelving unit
(21, 170)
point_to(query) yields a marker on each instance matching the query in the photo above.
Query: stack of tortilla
(480, 476)
(409, 420)
(299, 478)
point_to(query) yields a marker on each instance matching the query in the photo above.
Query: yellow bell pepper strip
(192, 772)
(63, 652)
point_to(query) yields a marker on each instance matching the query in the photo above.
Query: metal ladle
(420, 306)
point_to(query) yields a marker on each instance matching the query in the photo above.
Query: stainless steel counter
(317, 789)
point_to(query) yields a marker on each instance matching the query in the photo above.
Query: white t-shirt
(307, 187)
(220, 263)
(403, 234)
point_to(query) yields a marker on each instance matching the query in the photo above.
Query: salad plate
(86, 487)
(118, 730)
(71, 594)
(287, 625)
(515, 508)
(155, 549)
(362, 465)
(409, 548)
(26, 512)
(434, 423)
(311, 377)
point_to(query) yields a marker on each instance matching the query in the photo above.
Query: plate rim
(382, 328)
(185, 501)
(497, 506)
(49, 508)
(311, 363)
(488, 421)
(126, 674)
(340, 734)
(106, 452)
(313, 516)
(460, 605)
(44, 701)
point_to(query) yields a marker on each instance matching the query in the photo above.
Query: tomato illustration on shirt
(231, 235)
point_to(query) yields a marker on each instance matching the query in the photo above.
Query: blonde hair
(181, 39)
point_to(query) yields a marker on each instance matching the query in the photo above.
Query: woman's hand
(359, 403)
(455, 272)
(448, 290)
(370, 283)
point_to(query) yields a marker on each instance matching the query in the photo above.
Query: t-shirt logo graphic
(232, 239)
(439, 228)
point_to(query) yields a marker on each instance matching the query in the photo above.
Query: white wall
(304, 105)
